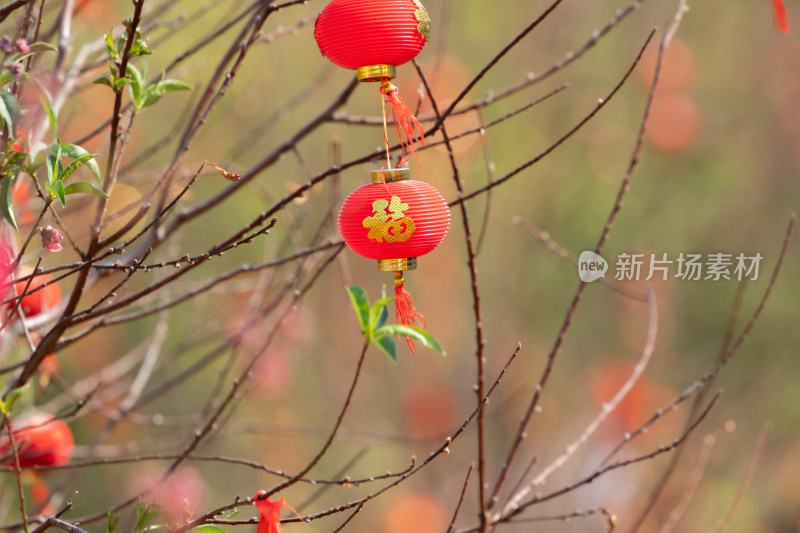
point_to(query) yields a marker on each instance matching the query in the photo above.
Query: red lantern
(395, 221)
(373, 37)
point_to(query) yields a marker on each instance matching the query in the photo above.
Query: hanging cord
(409, 130)
(406, 313)
(388, 164)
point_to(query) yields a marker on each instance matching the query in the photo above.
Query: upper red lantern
(394, 222)
(357, 34)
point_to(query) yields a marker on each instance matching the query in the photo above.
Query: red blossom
(51, 238)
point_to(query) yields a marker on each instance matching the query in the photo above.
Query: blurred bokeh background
(719, 172)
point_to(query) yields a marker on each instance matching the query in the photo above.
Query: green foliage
(6, 186)
(33, 48)
(413, 332)
(11, 399)
(138, 47)
(377, 332)
(143, 95)
(77, 152)
(57, 174)
(112, 521)
(9, 111)
(83, 187)
(207, 528)
(114, 52)
(145, 515)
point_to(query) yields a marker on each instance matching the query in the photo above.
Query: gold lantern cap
(390, 175)
(394, 265)
(376, 72)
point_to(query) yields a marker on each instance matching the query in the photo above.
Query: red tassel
(781, 17)
(270, 519)
(406, 313)
(409, 130)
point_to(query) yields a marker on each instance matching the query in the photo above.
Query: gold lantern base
(390, 175)
(376, 72)
(395, 265)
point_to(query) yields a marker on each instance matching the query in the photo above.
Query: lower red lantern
(395, 220)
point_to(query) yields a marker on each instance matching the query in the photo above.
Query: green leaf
(136, 87)
(120, 83)
(387, 346)
(83, 187)
(54, 166)
(381, 318)
(103, 80)
(6, 77)
(75, 151)
(378, 311)
(34, 48)
(112, 521)
(59, 188)
(207, 528)
(51, 165)
(413, 332)
(52, 115)
(6, 185)
(358, 297)
(41, 46)
(108, 39)
(14, 395)
(155, 91)
(76, 163)
(145, 514)
(9, 109)
(139, 46)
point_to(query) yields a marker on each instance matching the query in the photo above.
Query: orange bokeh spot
(675, 122)
(635, 407)
(420, 513)
(430, 411)
(678, 69)
(21, 200)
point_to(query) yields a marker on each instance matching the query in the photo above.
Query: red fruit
(41, 441)
(42, 300)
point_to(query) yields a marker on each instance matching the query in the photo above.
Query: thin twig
(606, 410)
(460, 498)
(565, 325)
(17, 470)
(748, 478)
